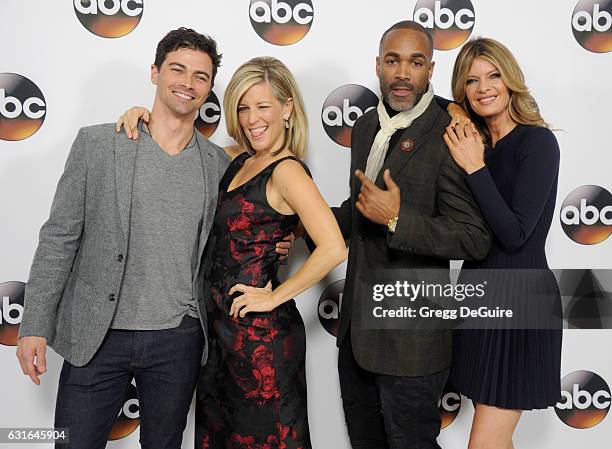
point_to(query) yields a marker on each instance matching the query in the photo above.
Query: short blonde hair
(522, 108)
(267, 69)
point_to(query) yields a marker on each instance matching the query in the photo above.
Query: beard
(404, 103)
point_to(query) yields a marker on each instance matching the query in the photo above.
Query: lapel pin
(407, 145)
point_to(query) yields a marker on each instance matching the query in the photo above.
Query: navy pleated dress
(516, 192)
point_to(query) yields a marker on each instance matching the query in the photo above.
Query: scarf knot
(388, 127)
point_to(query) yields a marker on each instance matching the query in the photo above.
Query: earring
(286, 120)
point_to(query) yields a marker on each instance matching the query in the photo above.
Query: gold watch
(392, 224)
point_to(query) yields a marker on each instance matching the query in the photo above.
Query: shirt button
(120, 258)
(111, 297)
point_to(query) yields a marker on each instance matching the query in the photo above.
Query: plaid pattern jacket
(439, 220)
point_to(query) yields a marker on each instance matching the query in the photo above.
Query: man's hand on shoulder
(283, 248)
(32, 355)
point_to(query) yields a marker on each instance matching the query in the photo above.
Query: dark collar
(390, 111)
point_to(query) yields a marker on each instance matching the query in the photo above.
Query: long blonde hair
(271, 70)
(522, 107)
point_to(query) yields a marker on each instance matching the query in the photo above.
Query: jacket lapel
(364, 139)
(209, 168)
(125, 161)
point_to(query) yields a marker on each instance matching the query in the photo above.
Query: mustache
(401, 84)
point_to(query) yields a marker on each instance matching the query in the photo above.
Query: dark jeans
(389, 412)
(165, 365)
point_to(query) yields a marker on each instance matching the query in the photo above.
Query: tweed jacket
(79, 264)
(438, 220)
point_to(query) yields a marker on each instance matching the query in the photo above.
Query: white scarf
(388, 127)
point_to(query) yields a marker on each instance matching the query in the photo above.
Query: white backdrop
(87, 79)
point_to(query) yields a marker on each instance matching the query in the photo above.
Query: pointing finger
(365, 181)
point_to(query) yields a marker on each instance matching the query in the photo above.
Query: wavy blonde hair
(522, 107)
(267, 69)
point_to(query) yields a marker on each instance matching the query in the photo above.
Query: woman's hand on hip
(253, 299)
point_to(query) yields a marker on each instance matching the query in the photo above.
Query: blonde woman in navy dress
(511, 160)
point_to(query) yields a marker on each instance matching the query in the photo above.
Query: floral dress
(252, 392)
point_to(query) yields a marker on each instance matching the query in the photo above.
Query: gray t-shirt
(167, 206)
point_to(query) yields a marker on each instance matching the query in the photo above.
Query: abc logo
(329, 307)
(592, 25)
(11, 311)
(109, 18)
(207, 118)
(586, 215)
(129, 416)
(22, 107)
(281, 22)
(343, 107)
(449, 405)
(585, 400)
(450, 21)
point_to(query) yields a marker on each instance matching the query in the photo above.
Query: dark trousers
(165, 365)
(389, 412)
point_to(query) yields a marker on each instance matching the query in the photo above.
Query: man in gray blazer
(413, 210)
(116, 283)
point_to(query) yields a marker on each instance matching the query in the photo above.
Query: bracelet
(392, 224)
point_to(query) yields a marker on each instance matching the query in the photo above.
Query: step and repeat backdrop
(70, 63)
